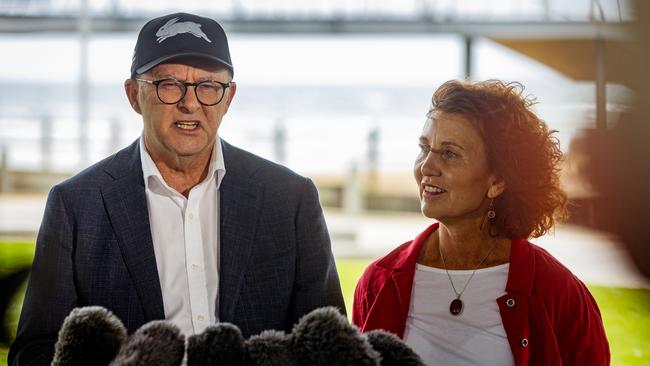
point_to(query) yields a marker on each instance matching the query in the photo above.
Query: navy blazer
(94, 247)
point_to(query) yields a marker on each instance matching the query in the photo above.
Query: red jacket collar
(522, 262)
(406, 258)
(522, 267)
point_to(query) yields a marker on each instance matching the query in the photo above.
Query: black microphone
(157, 343)
(325, 337)
(270, 348)
(221, 344)
(89, 336)
(394, 352)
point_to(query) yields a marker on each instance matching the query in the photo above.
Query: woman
(470, 289)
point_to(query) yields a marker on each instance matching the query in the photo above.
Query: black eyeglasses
(172, 91)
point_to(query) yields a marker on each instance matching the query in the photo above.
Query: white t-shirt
(476, 336)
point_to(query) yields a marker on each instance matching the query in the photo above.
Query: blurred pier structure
(585, 41)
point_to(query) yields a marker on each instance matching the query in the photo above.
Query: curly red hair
(521, 150)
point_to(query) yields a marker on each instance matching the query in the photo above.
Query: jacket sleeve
(359, 308)
(316, 279)
(580, 331)
(51, 292)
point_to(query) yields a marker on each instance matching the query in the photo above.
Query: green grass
(626, 312)
(14, 255)
(626, 315)
(349, 272)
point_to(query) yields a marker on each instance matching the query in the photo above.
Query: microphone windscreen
(270, 348)
(89, 336)
(157, 343)
(394, 352)
(325, 337)
(221, 344)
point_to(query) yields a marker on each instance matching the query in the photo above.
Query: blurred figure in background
(471, 289)
(180, 225)
(619, 166)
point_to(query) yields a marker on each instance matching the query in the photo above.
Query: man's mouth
(186, 125)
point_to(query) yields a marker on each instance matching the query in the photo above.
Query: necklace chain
(459, 294)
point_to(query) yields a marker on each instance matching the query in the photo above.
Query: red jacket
(549, 316)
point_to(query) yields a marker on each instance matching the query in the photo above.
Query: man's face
(187, 128)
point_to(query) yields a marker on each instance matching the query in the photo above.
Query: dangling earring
(491, 214)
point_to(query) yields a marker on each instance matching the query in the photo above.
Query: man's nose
(190, 101)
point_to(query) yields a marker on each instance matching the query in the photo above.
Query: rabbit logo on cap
(172, 28)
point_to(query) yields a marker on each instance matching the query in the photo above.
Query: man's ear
(497, 186)
(131, 88)
(232, 89)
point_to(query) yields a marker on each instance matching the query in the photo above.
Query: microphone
(270, 348)
(394, 352)
(325, 337)
(221, 344)
(89, 336)
(157, 343)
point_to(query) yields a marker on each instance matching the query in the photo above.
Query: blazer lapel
(240, 200)
(126, 204)
(391, 306)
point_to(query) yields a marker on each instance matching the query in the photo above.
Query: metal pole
(373, 160)
(84, 28)
(46, 143)
(280, 142)
(4, 170)
(115, 135)
(468, 57)
(601, 83)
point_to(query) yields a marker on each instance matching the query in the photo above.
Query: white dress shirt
(185, 234)
(476, 336)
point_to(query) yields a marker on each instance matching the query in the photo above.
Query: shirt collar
(216, 169)
(405, 257)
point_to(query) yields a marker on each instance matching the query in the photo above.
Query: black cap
(180, 35)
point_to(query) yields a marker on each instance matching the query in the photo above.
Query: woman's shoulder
(402, 258)
(378, 271)
(547, 266)
(553, 280)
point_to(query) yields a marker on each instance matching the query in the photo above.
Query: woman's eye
(448, 154)
(424, 148)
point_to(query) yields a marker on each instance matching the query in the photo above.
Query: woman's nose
(431, 164)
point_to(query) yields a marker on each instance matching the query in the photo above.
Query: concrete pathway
(592, 256)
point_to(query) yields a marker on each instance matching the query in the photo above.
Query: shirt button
(195, 267)
(510, 303)
(524, 342)
(201, 318)
(190, 216)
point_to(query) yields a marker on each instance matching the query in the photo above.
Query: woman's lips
(431, 190)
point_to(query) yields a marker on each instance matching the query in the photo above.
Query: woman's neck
(464, 247)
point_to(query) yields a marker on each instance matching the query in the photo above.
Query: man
(180, 225)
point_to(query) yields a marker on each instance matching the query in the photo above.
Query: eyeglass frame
(185, 85)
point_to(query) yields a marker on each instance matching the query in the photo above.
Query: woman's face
(452, 171)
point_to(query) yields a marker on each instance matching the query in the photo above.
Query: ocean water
(324, 94)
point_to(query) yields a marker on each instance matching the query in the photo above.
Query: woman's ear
(497, 186)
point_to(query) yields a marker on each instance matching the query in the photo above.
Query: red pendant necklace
(456, 306)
